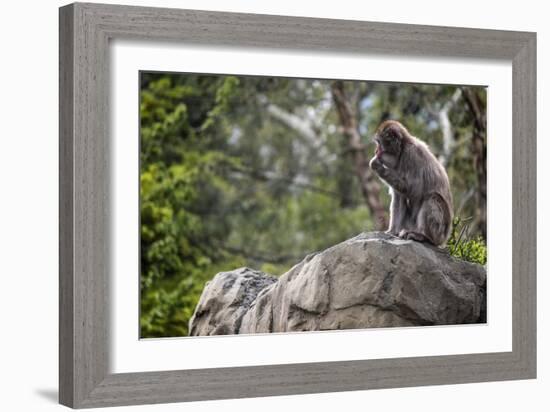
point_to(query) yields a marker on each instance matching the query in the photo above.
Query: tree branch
(302, 126)
(305, 128)
(268, 176)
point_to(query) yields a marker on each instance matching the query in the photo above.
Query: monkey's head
(390, 138)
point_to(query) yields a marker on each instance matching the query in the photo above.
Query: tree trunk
(370, 187)
(479, 149)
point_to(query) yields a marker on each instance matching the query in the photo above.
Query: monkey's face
(388, 147)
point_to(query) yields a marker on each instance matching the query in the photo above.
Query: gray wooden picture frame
(85, 31)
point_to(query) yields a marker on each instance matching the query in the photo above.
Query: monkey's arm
(390, 176)
(398, 212)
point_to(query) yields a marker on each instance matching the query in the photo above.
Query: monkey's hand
(388, 175)
(377, 165)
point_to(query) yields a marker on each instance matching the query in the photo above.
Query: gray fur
(421, 206)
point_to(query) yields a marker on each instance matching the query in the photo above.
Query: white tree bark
(446, 128)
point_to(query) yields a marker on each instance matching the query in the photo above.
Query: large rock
(371, 280)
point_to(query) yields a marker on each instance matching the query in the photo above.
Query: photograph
(279, 205)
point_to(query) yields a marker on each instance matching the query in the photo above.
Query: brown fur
(421, 206)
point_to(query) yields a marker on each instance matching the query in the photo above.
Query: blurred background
(260, 171)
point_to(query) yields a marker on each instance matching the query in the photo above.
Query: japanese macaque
(421, 201)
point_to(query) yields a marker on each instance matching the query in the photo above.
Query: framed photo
(257, 205)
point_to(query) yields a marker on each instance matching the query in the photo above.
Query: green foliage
(167, 307)
(181, 182)
(472, 250)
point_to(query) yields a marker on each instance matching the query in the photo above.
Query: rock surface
(371, 280)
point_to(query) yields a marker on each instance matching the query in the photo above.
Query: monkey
(421, 201)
